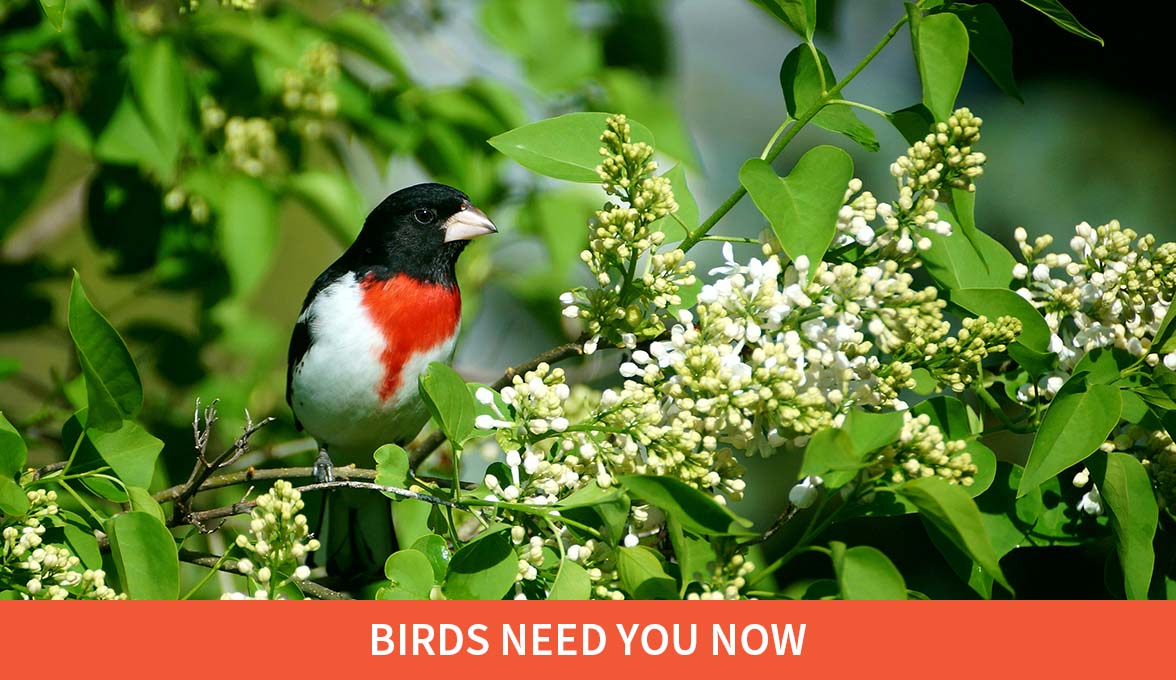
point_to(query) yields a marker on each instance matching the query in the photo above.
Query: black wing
(299, 343)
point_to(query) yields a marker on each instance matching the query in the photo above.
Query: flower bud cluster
(278, 541)
(307, 91)
(727, 581)
(943, 160)
(40, 570)
(922, 450)
(636, 284)
(1111, 290)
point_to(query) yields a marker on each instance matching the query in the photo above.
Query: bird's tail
(357, 536)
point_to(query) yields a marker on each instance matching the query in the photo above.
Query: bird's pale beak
(468, 223)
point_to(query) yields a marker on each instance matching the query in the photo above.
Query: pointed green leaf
(643, 576)
(990, 43)
(997, 302)
(449, 401)
(1062, 17)
(696, 510)
(158, 82)
(865, 573)
(13, 499)
(687, 207)
(565, 147)
(1127, 491)
(145, 554)
(942, 55)
(952, 511)
(13, 451)
(799, 15)
(869, 432)
(801, 83)
(802, 207)
(54, 12)
(142, 501)
(436, 549)
(571, 583)
(113, 388)
(130, 451)
(1079, 419)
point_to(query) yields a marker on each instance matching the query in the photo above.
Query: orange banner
(564, 640)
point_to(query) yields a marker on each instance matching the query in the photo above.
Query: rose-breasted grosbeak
(370, 325)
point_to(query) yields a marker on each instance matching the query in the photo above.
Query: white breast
(336, 385)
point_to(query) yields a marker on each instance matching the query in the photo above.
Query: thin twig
(203, 468)
(230, 565)
(418, 454)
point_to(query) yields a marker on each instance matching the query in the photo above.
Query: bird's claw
(324, 469)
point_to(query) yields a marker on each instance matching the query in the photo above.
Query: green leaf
(128, 140)
(391, 468)
(687, 207)
(998, 302)
(697, 511)
(830, 455)
(158, 82)
(990, 43)
(941, 51)
(565, 147)
(145, 553)
(968, 258)
(596, 507)
(799, 15)
(952, 511)
(13, 499)
(130, 451)
(449, 402)
(113, 389)
(802, 207)
(651, 101)
(1164, 341)
(571, 583)
(1127, 491)
(1062, 17)
(54, 12)
(869, 432)
(82, 542)
(695, 556)
(410, 576)
(642, 574)
(956, 420)
(362, 33)
(13, 451)
(8, 367)
(1079, 419)
(436, 549)
(801, 83)
(248, 231)
(333, 199)
(865, 573)
(483, 569)
(142, 501)
(913, 122)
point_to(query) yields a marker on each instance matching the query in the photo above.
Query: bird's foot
(324, 469)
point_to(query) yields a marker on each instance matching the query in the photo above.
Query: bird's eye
(423, 215)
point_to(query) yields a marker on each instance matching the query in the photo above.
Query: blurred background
(199, 163)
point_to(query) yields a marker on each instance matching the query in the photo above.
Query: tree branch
(230, 565)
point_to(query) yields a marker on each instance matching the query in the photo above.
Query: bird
(370, 325)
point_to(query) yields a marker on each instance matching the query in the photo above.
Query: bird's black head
(419, 231)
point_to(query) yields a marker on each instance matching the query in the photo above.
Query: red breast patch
(414, 316)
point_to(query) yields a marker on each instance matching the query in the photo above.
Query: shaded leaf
(436, 549)
(483, 569)
(13, 451)
(990, 43)
(1127, 491)
(1061, 16)
(865, 573)
(998, 302)
(696, 510)
(571, 583)
(642, 574)
(801, 83)
(799, 15)
(113, 388)
(13, 499)
(409, 574)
